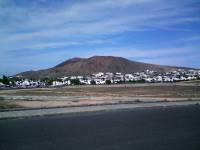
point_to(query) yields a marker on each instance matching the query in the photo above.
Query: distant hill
(87, 66)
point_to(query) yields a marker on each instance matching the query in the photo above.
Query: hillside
(87, 66)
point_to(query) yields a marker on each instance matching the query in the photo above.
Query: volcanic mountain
(87, 66)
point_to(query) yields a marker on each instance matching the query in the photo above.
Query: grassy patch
(75, 101)
(2, 98)
(6, 105)
(137, 101)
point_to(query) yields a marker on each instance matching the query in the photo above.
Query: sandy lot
(103, 94)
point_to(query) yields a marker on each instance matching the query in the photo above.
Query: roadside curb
(82, 109)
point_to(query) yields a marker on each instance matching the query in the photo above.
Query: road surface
(168, 128)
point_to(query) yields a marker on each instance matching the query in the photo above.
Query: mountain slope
(81, 66)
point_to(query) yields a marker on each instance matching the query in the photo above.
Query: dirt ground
(102, 94)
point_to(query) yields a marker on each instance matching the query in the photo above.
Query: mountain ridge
(87, 66)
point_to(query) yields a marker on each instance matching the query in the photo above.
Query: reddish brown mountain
(87, 66)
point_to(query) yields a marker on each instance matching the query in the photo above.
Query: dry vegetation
(93, 95)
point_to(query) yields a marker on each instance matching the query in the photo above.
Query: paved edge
(71, 110)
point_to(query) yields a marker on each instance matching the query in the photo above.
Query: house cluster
(28, 83)
(116, 78)
(148, 76)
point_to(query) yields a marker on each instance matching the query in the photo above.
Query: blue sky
(39, 34)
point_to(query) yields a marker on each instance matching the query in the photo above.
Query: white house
(2, 85)
(25, 83)
(57, 83)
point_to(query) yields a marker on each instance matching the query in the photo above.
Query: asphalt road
(171, 128)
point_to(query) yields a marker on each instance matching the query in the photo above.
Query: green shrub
(75, 82)
(108, 82)
(92, 82)
(5, 80)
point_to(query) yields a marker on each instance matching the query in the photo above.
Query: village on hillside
(147, 76)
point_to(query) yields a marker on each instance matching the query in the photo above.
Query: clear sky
(37, 34)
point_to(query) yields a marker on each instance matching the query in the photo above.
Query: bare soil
(103, 94)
